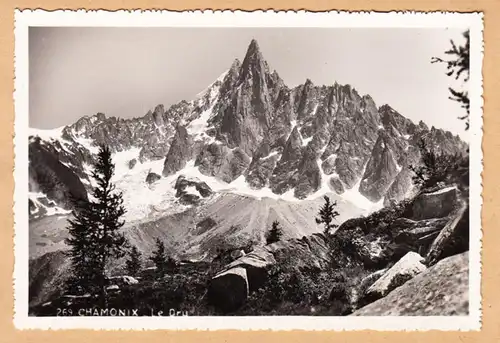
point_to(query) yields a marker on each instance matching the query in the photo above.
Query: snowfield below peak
(144, 201)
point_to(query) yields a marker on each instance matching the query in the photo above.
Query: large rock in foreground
(442, 290)
(454, 237)
(436, 204)
(405, 269)
(230, 288)
(226, 289)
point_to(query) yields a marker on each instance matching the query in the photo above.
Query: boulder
(441, 290)
(132, 163)
(453, 238)
(229, 290)
(416, 235)
(256, 263)
(360, 298)
(405, 269)
(437, 204)
(191, 191)
(152, 177)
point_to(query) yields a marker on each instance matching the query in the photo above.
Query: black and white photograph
(263, 171)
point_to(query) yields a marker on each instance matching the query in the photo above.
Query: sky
(125, 72)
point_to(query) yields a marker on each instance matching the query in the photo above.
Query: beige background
(491, 187)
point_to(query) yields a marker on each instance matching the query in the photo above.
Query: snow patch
(273, 153)
(240, 186)
(121, 160)
(52, 208)
(87, 143)
(398, 167)
(315, 109)
(47, 135)
(306, 141)
(209, 88)
(354, 196)
(324, 188)
(198, 126)
(192, 191)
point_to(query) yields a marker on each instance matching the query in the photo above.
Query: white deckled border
(25, 19)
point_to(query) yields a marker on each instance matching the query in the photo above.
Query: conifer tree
(434, 167)
(275, 233)
(458, 67)
(133, 263)
(423, 173)
(159, 257)
(94, 231)
(326, 215)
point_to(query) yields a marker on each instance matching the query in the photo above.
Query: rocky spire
(253, 63)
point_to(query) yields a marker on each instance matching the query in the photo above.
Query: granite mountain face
(247, 128)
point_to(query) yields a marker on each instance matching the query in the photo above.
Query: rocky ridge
(249, 124)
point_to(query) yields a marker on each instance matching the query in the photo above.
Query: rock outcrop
(231, 287)
(50, 176)
(132, 163)
(190, 191)
(405, 269)
(436, 204)
(180, 152)
(223, 163)
(152, 177)
(441, 290)
(454, 237)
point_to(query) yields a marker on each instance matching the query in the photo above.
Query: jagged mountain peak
(254, 62)
(253, 48)
(251, 127)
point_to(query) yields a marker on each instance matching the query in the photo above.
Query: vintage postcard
(248, 170)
